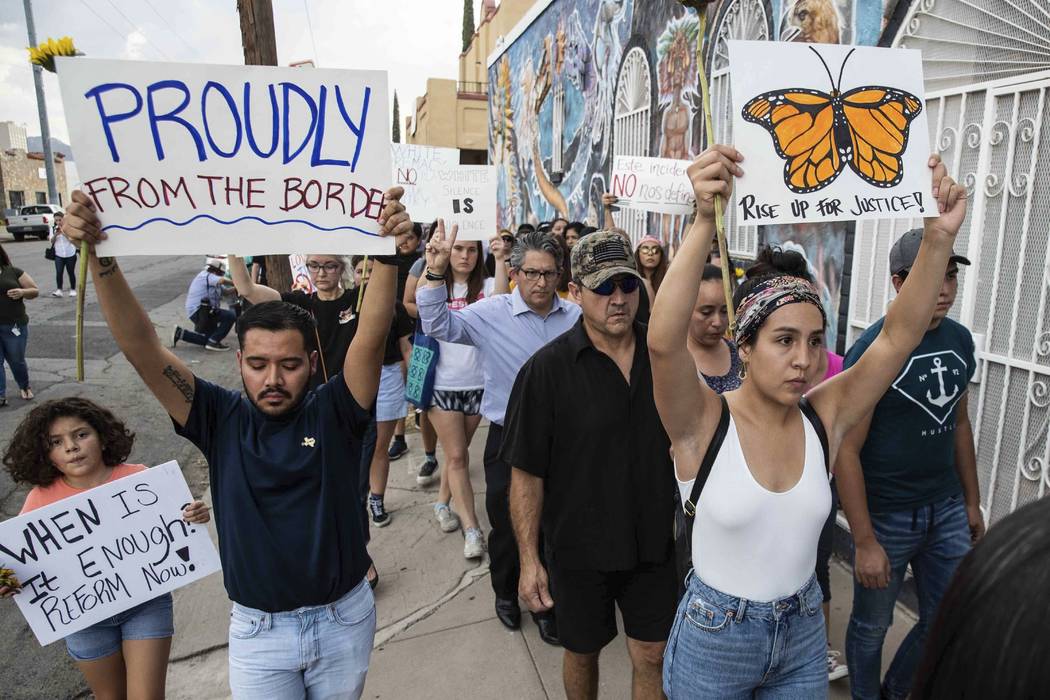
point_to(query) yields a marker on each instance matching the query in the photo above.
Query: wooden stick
(723, 252)
(81, 293)
(364, 283)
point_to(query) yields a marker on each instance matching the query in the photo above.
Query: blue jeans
(13, 341)
(320, 651)
(726, 647)
(226, 319)
(933, 539)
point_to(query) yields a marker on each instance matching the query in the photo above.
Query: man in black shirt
(293, 555)
(591, 462)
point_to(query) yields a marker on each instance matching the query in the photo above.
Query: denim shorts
(390, 402)
(726, 647)
(150, 620)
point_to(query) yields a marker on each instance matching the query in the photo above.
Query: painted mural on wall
(576, 58)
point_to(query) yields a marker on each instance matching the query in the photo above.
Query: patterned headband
(769, 296)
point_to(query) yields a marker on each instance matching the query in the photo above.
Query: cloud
(134, 45)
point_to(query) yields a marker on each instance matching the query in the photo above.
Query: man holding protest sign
(277, 459)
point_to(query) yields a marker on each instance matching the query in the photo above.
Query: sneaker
(398, 449)
(72, 292)
(57, 293)
(217, 347)
(473, 543)
(376, 509)
(176, 336)
(836, 669)
(447, 520)
(426, 472)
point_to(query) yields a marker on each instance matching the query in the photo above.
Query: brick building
(24, 181)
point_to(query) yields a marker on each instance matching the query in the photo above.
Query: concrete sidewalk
(437, 633)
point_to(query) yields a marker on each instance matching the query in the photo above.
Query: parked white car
(34, 220)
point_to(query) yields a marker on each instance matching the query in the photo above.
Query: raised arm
(608, 202)
(501, 254)
(688, 408)
(364, 359)
(432, 295)
(844, 400)
(246, 285)
(164, 374)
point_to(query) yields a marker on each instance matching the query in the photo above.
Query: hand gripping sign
(88, 557)
(190, 158)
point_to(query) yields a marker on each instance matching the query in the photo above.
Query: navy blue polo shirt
(284, 494)
(908, 457)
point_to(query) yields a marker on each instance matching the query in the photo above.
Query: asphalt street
(29, 671)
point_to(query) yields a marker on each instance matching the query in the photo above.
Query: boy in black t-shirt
(277, 460)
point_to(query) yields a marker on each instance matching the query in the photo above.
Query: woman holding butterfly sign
(750, 623)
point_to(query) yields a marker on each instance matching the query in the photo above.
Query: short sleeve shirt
(12, 311)
(284, 493)
(599, 445)
(908, 458)
(40, 496)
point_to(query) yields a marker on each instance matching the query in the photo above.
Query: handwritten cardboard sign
(415, 169)
(187, 158)
(829, 133)
(88, 557)
(468, 199)
(652, 184)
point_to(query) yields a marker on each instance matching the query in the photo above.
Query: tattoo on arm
(108, 266)
(179, 382)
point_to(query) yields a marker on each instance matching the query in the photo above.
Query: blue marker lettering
(316, 158)
(221, 89)
(287, 88)
(248, 121)
(358, 129)
(108, 119)
(170, 116)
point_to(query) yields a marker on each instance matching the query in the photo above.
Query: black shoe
(426, 472)
(398, 449)
(176, 336)
(508, 613)
(548, 628)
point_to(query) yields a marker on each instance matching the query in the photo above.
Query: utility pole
(41, 106)
(260, 49)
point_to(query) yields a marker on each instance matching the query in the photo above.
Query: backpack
(685, 513)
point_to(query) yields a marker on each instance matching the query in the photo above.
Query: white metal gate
(994, 137)
(631, 126)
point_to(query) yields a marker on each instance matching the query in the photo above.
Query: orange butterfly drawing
(818, 134)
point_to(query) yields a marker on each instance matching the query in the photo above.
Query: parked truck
(33, 220)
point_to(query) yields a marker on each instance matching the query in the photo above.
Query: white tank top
(754, 543)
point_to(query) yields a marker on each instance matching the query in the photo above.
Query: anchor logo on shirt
(309, 442)
(916, 383)
(939, 369)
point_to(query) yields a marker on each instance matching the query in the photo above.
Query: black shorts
(585, 602)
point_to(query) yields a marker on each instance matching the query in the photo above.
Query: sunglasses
(649, 250)
(626, 284)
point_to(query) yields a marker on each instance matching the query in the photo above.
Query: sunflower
(44, 55)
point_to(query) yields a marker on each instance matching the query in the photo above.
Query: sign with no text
(189, 158)
(88, 557)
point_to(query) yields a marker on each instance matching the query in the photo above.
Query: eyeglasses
(626, 284)
(649, 250)
(533, 275)
(329, 268)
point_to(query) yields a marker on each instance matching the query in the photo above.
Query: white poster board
(652, 184)
(415, 169)
(88, 557)
(829, 133)
(192, 158)
(468, 199)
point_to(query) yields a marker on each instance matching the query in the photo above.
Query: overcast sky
(412, 40)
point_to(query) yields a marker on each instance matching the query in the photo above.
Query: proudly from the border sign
(194, 159)
(88, 557)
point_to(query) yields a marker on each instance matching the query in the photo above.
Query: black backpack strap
(705, 466)
(818, 426)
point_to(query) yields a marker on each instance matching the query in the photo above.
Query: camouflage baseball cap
(600, 256)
